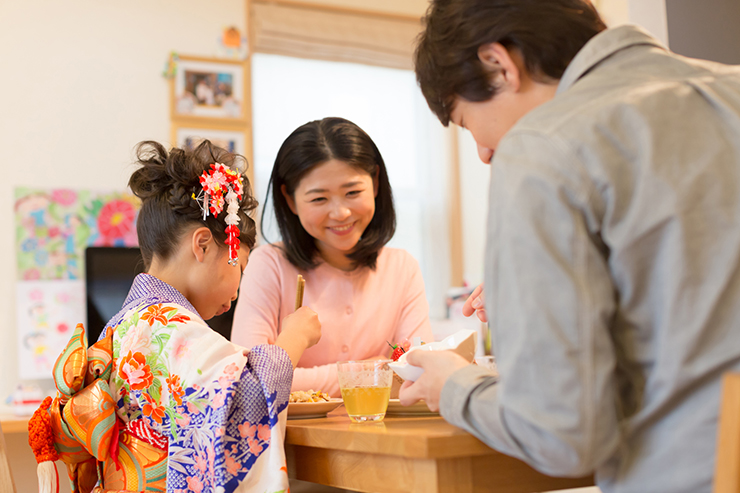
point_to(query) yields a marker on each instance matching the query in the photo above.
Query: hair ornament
(223, 186)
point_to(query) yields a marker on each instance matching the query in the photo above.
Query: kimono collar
(149, 290)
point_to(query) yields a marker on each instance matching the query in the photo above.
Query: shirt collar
(601, 47)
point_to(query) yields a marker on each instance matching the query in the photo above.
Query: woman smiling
(334, 209)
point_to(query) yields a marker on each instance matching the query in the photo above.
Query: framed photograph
(233, 140)
(209, 88)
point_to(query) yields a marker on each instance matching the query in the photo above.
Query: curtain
(335, 35)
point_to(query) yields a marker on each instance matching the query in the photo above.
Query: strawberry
(398, 350)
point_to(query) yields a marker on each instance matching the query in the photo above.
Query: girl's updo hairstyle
(166, 183)
(309, 146)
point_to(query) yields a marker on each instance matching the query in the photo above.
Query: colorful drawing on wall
(47, 313)
(53, 228)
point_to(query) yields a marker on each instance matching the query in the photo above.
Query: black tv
(109, 273)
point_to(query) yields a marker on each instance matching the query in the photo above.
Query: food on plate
(309, 396)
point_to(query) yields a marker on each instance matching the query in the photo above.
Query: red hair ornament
(222, 185)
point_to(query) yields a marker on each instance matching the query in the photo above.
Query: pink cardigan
(359, 310)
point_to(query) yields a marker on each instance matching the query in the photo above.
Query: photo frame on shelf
(209, 89)
(188, 137)
(234, 140)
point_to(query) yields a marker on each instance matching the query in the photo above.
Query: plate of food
(305, 404)
(419, 409)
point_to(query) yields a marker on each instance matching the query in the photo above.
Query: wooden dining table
(405, 454)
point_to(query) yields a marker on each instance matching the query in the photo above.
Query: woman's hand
(474, 304)
(300, 331)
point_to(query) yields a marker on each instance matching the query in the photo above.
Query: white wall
(650, 14)
(474, 181)
(81, 84)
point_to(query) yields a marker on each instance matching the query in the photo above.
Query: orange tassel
(40, 435)
(41, 440)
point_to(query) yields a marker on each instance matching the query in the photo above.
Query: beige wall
(81, 84)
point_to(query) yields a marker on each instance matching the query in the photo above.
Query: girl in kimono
(193, 412)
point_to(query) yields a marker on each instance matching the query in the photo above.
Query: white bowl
(461, 342)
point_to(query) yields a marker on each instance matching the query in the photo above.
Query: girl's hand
(300, 331)
(474, 304)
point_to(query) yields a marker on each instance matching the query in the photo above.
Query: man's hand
(474, 304)
(438, 367)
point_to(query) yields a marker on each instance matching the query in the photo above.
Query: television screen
(109, 273)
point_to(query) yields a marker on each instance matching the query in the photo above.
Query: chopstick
(299, 292)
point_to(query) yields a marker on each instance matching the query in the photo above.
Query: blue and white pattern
(221, 408)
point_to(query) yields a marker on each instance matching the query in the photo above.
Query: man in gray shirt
(612, 279)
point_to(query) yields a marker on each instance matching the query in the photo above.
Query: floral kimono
(195, 412)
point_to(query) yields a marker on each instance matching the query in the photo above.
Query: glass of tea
(366, 388)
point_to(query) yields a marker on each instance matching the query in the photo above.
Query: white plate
(305, 410)
(419, 409)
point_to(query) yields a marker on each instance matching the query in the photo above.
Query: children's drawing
(53, 228)
(47, 312)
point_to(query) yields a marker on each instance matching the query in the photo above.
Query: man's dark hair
(311, 145)
(166, 183)
(547, 33)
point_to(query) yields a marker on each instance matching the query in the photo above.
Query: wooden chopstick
(299, 292)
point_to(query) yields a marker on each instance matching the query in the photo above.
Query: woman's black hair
(313, 144)
(166, 183)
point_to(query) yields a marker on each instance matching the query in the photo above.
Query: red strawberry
(398, 350)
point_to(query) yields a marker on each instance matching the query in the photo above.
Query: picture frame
(209, 89)
(235, 140)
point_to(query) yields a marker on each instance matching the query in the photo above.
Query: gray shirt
(613, 272)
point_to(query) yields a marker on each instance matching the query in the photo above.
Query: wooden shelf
(14, 424)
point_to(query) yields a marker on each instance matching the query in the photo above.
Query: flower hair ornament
(223, 185)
